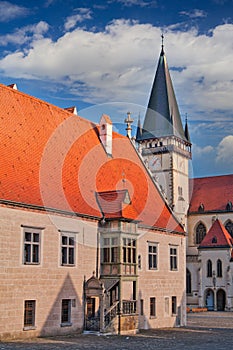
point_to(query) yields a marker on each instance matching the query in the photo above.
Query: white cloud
(195, 13)
(141, 3)
(25, 34)
(9, 11)
(202, 151)
(118, 64)
(225, 151)
(71, 21)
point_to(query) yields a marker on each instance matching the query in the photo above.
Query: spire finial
(186, 118)
(162, 45)
(128, 122)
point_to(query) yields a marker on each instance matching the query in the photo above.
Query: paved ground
(205, 331)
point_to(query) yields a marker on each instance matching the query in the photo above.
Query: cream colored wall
(207, 282)
(161, 283)
(195, 262)
(47, 283)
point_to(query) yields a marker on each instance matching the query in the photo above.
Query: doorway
(209, 299)
(221, 300)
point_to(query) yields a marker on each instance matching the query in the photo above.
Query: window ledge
(68, 265)
(152, 317)
(66, 324)
(31, 263)
(29, 328)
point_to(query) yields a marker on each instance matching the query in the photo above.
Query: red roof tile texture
(116, 204)
(55, 159)
(213, 192)
(217, 236)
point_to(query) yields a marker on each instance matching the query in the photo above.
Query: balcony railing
(129, 307)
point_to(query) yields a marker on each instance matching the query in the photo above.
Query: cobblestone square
(206, 331)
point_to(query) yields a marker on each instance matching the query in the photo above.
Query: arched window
(209, 268)
(200, 232)
(219, 268)
(229, 227)
(188, 282)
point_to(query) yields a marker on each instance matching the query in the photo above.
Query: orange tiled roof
(213, 192)
(55, 159)
(217, 236)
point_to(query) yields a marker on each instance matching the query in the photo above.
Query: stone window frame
(66, 312)
(173, 250)
(68, 248)
(32, 242)
(29, 314)
(152, 307)
(152, 256)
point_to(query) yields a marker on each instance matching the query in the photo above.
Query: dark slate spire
(139, 130)
(162, 115)
(186, 130)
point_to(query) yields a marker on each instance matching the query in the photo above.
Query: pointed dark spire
(186, 130)
(139, 129)
(162, 115)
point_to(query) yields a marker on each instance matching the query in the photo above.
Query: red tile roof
(55, 159)
(217, 236)
(213, 192)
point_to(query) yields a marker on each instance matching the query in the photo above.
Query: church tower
(163, 143)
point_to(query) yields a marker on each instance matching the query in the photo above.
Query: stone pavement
(205, 331)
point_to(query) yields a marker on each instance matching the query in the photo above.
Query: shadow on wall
(66, 314)
(171, 309)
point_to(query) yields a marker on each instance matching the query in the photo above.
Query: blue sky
(101, 56)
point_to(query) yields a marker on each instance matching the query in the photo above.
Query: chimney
(13, 86)
(72, 109)
(106, 133)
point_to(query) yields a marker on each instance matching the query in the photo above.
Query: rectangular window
(152, 307)
(152, 256)
(32, 239)
(66, 312)
(67, 249)
(173, 259)
(174, 305)
(110, 250)
(141, 307)
(29, 313)
(129, 250)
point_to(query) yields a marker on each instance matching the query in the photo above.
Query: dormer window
(201, 208)
(214, 239)
(229, 206)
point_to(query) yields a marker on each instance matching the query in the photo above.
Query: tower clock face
(155, 163)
